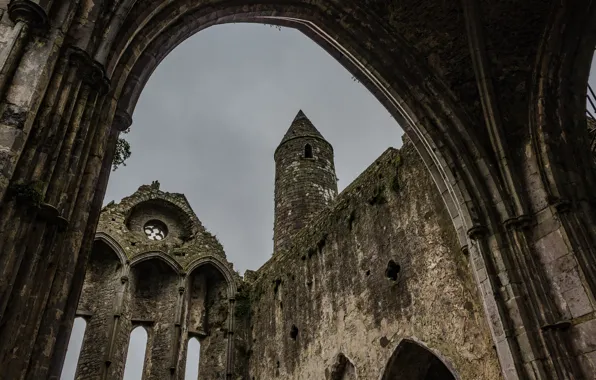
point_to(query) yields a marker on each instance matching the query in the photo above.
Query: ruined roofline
(389, 152)
(153, 192)
(350, 192)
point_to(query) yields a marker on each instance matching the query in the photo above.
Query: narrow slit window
(307, 151)
(193, 355)
(75, 344)
(135, 357)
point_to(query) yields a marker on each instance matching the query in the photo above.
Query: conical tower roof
(301, 127)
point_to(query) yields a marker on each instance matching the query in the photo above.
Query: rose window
(155, 230)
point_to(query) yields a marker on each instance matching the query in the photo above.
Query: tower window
(307, 151)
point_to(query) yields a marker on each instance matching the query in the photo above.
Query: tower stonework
(305, 180)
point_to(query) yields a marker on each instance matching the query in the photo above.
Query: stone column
(63, 335)
(178, 334)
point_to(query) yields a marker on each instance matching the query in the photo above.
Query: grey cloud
(213, 112)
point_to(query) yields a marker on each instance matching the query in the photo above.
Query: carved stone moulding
(521, 222)
(477, 232)
(122, 121)
(52, 215)
(29, 12)
(92, 72)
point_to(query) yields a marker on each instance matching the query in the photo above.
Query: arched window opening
(135, 357)
(307, 151)
(343, 369)
(73, 352)
(414, 362)
(193, 354)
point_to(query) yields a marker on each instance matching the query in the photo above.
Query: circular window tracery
(155, 230)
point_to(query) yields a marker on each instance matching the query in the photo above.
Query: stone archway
(209, 315)
(72, 71)
(412, 361)
(101, 286)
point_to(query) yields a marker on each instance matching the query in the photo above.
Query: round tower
(305, 180)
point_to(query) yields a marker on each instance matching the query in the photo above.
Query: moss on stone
(242, 303)
(29, 193)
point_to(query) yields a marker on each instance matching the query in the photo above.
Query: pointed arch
(113, 244)
(441, 129)
(343, 368)
(135, 358)
(130, 68)
(412, 360)
(73, 352)
(220, 265)
(157, 255)
(193, 359)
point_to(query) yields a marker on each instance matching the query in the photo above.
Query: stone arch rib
(341, 365)
(150, 51)
(113, 244)
(438, 126)
(157, 255)
(413, 359)
(220, 266)
(232, 288)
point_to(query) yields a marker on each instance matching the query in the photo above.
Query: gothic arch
(412, 360)
(142, 333)
(99, 293)
(218, 264)
(150, 47)
(157, 255)
(447, 103)
(559, 85)
(440, 128)
(226, 273)
(557, 125)
(343, 368)
(155, 302)
(113, 244)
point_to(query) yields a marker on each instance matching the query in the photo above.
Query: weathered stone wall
(147, 212)
(207, 316)
(380, 265)
(96, 306)
(186, 240)
(492, 94)
(303, 185)
(176, 289)
(154, 291)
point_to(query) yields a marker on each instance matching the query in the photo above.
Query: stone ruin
(366, 284)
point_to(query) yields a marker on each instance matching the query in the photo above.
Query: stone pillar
(62, 337)
(42, 219)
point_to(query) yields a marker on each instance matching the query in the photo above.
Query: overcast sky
(213, 113)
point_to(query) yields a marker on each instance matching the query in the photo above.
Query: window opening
(307, 151)
(73, 352)
(412, 361)
(135, 357)
(392, 270)
(155, 230)
(193, 355)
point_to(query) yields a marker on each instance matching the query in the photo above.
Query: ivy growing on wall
(122, 152)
